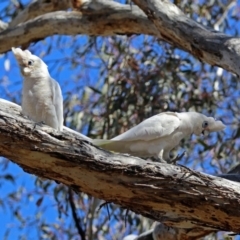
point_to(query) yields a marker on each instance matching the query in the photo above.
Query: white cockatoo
(158, 135)
(42, 99)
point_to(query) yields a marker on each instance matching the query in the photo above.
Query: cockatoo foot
(24, 116)
(177, 158)
(39, 124)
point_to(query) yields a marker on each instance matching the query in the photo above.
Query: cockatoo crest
(31, 65)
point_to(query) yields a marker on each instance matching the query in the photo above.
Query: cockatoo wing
(154, 127)
(140, 138)
(122, 146)
(57, 102)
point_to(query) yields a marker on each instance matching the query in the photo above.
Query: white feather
(42, 99)
(158, 135)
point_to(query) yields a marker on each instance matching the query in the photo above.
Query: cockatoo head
(30, 65)
(204, 125)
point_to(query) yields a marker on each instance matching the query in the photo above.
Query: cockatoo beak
(218, 126)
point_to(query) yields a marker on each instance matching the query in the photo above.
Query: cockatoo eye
(205, 124)
(30, 62)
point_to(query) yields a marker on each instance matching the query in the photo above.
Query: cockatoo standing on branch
(42, 99)
(158, 135)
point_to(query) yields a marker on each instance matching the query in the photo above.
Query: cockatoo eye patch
(205, 124)
(30, 62)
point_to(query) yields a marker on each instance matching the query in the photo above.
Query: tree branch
(163, 232)
(173, 195)
(37, 8)
(76, 219)
(171, 25)
(207, 45)
(73, 23)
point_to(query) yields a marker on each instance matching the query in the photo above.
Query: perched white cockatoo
(42, 99)
(158, 135)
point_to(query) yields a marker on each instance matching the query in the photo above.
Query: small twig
(108, 212)
(102, 205)
(125, 217)
(74, 214)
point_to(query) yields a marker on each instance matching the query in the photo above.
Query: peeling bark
(180, 198)
(163, 232)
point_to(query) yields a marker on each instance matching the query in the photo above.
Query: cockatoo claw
(41, 123)
(177, 158)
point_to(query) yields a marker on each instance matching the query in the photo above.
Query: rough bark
(207, 45)
(37, 8)
(121, 21)
(190, 202)
(168, 23)
(163, 232)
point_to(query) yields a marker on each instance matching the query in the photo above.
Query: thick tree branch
(173, 195)
(209, 46)
(170, 25)
(163, 232)
(73, 23)
(37, 8)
